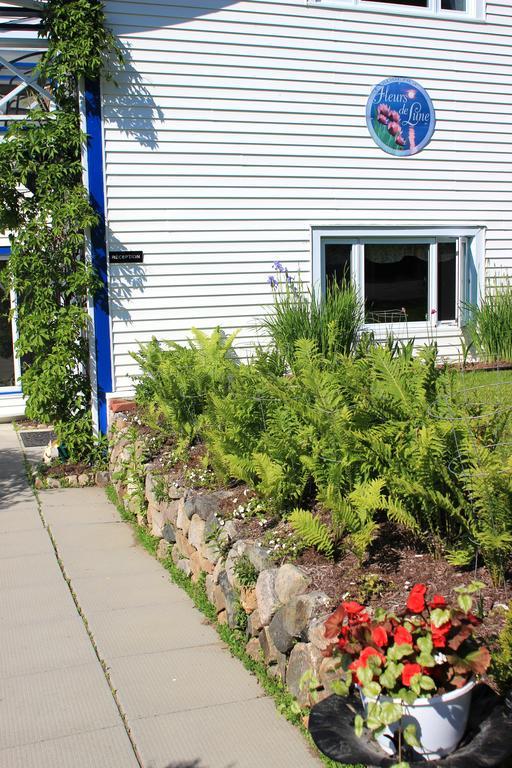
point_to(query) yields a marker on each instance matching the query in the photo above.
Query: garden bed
(219, 530)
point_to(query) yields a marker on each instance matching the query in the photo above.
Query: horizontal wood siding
(238, 126)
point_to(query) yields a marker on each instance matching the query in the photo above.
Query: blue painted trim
(101, 317)
(13, 392)
(5, 250)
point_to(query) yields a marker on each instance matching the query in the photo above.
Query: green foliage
(245, 572)
(490, 323)
(45, 208)
(176, 382)
(312, 531)
(332, 322)
(502, 659)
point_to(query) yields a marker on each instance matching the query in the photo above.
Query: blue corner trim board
(5, 250)
(101, 317)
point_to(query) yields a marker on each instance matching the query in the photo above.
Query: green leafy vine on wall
(45, 208)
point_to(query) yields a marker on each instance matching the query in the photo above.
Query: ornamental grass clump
(490, 324)
(427, 649)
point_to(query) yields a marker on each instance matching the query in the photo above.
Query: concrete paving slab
(44, 646)
(53, 704)
(36, 603)
(108, 748)
(29, 569)
(91, 563)
(33, 542)
(174, 681)
(77, 506)
(94, 537)
(108, 593)
(149, 628)
(20, 518)
(248, 735)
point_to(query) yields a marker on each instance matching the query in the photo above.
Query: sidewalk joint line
(102, 662)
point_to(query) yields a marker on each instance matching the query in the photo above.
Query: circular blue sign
(400, 116)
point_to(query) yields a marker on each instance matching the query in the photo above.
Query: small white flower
(440, 658)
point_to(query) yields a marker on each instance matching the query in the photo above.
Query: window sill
(422, 13)
(421, 328)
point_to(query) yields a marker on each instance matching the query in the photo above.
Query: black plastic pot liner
(487, 743)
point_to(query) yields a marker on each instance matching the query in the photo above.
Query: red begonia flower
(408, 673)
(380, 636)
(416, 601)
(402, 636)
(438, 601)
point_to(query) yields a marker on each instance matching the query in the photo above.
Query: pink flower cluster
(391, 119)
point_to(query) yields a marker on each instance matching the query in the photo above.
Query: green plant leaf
(372, 690)
(390, 712)
(410, 735)
(358, 726)
(440, 616)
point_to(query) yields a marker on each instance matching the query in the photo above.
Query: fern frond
(312, 531)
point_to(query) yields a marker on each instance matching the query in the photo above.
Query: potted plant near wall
(415, 669)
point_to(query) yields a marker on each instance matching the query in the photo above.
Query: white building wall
(238, 126)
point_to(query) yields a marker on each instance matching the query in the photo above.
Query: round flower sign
(400, 116)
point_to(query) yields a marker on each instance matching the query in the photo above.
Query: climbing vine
(45, 209)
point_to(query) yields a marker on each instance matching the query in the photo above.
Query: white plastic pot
(440, 721)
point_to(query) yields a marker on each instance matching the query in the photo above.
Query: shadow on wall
(125, 281)
(129, 103)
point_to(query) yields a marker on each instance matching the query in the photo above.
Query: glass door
(9, 365)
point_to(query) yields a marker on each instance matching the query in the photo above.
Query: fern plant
(312, 531)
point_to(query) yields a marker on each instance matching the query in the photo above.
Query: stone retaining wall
(284, 617)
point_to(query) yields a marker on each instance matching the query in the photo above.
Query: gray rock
(329, 672)
(259, 557)
(169, 533)
(298, 613)
(182, 518)
(203, 504)
(316, 633)
(184, 565)
(268, 602)
(234, 554)
(169, 510)
(84, 480)
(162, 551)
(219, 567)
(290, 581)
(215, 594)
(176, 555)
(281, 638)
(196, 531)
(253, 649)
(254, 624)
(231, 599)
(303, 658)
(102, 478)
(270, 652)
(213, 525)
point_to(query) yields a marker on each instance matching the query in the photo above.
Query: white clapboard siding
(238, 126)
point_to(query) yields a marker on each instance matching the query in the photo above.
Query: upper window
(460, 9)
(424, 278)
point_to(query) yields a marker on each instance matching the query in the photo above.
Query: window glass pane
(416, 3)
(6, 348)
(454, 5)
(446, 280)
(396, 282)
(337, 262)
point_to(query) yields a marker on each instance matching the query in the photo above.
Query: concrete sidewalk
(150, 685)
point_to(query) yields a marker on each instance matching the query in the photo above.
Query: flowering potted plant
(415, 669)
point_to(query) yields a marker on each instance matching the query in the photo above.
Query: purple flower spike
(382, 119)
(394, 129)
(278, 266)
(400, 141)
(271, 280)
(289, 278)
(394, 116)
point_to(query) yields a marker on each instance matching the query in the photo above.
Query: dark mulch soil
(62, 470)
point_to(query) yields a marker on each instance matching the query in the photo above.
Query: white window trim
(475, 9)
(16, 388)
(469, 239)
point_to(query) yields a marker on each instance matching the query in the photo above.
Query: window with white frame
(9, 363)
(461, 9)
(401, 278)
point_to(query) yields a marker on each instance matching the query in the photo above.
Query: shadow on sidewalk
(13, 482)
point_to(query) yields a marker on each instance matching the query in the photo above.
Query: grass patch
(234, 639)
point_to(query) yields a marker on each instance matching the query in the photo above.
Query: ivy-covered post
(46, 210)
